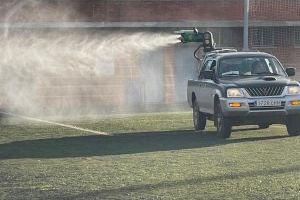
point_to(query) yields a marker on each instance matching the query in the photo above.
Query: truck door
(207, 88)
(204, 90)
(211, 87)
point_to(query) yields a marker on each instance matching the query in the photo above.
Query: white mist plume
(28, 59)
(32, 11)
(39, 63)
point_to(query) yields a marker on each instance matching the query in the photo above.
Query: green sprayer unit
(205, 39)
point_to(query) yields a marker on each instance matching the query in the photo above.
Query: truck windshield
(250, 66)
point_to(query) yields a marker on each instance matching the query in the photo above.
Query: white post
(246, 26)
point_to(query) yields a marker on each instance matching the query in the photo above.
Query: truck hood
(257, 81)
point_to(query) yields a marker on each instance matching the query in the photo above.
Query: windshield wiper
(275, 74)
(230, 74)
(268, 73)
(247, 75)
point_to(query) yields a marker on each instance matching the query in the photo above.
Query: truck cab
(244, 88)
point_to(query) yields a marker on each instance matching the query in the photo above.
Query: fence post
(246, 25)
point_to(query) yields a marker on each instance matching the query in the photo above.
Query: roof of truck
(238, 54)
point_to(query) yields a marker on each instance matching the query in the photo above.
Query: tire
(198, 117)
(223, 123)
(293, 126)
(263, 126)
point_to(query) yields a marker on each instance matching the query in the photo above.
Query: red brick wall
(148, 10)
(153, 10)
(45, 10)
(278, 10)
(118, 11)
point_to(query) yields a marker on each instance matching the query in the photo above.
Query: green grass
(148, 156)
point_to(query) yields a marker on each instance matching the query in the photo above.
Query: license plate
(268, 102)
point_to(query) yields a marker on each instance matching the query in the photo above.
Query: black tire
(223, 123)
(263, 126)
(198, 117)
(293, 125)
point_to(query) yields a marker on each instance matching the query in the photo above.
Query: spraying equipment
(205, 39)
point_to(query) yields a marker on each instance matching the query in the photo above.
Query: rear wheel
(223, 123)
(198, 117)
(293, 125)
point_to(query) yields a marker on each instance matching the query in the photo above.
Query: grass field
(147, 156)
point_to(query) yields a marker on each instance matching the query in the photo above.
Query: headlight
(234, 92)
(293, 90)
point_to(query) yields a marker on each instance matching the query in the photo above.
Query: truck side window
(206, 67)
(213, 65)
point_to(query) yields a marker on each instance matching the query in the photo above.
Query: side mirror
(209, 75)
(291, 71)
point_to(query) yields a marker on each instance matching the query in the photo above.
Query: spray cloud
(42, 69)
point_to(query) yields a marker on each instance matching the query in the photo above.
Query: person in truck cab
(259, 67)
(228, 69)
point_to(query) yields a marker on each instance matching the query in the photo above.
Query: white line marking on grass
(55, 123)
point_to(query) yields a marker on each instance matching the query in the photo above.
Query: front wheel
(198, 117)
(223, 123)
(293, 126)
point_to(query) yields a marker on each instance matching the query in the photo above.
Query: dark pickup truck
(244, 88)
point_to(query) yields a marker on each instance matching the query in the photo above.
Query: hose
(195, 53)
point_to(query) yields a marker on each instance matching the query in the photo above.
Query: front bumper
(249, 113)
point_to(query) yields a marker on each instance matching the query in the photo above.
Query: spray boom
(190, 36)
(205, 39)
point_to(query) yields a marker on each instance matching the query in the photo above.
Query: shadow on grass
(127, 143)
(180, 183)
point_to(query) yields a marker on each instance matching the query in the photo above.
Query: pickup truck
(244, 88)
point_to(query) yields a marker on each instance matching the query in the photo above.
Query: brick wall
(146, 10)
(127, 73)
(122, 11)
(166, 10)
(278, 10)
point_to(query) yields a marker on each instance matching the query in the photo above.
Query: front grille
(265, 91)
